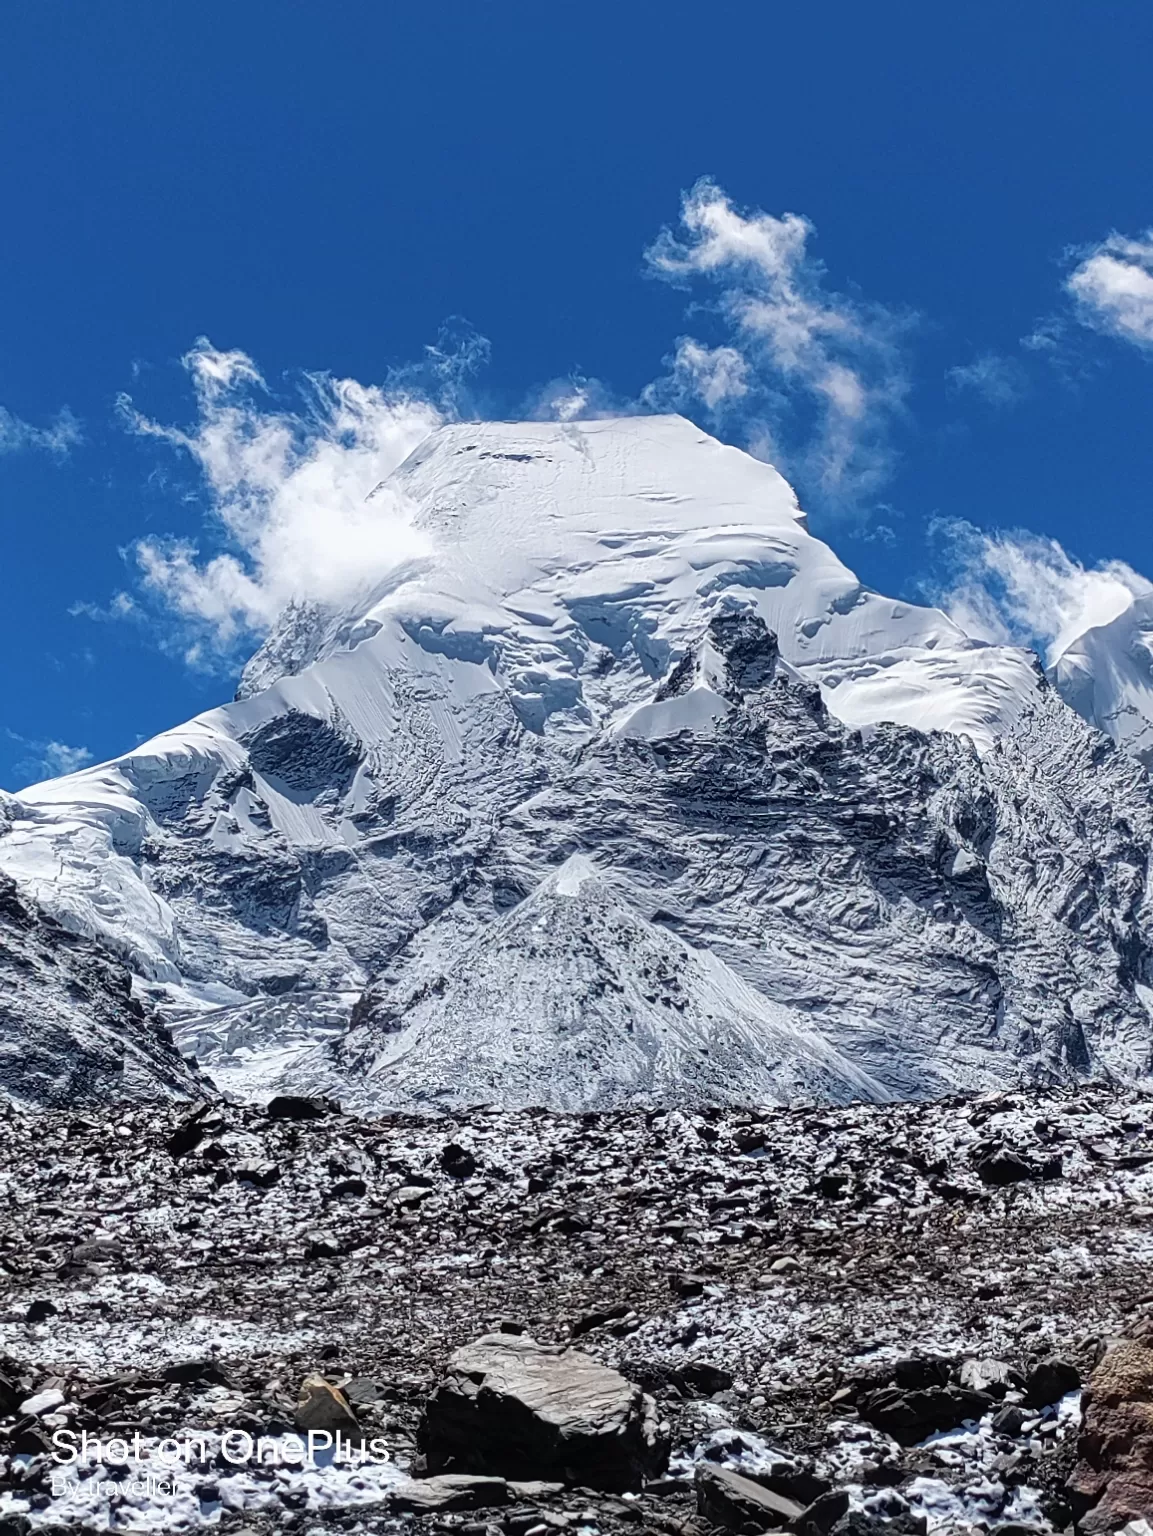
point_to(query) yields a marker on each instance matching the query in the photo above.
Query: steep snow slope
(584, 661)
(1107, 677)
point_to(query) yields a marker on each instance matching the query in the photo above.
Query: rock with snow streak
(511, 1407)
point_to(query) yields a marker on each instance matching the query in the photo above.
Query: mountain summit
(824, 838)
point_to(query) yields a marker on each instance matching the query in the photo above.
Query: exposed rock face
(70, 1030)
(1113, 1480)
(896, 897)
(515, 1408)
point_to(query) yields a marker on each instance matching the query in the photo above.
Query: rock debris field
(863, 1319)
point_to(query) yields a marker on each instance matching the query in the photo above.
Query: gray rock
(1009, 1420)
(448, 1491)
(515, 1408)
(823, 1513)
(727, 1499)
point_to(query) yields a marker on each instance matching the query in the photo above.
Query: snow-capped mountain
(878, 857)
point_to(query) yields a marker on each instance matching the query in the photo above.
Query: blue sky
(953, 339)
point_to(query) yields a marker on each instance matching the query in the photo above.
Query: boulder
(1112, 1482)
(451, 1491)
(727, 1499)
(697, 1378)
(992, 1376)
(290, 1106)
(1049, 1381)
(920, 1372)
(321, 1406)
(511, 1407)
(457, 1161)
(1010, 1419)
(911, 1416)
(823, 1513)
(1001, 1165)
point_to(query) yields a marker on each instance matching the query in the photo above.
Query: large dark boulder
(510, 1407)
(914, 1415)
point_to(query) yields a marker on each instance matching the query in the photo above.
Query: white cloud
(999, 380)
(715, 375)
(794, 347)
(57, 438)
(47, 759)
(1112, 287)
(289, 497)
(575, 398)
(1019, 588)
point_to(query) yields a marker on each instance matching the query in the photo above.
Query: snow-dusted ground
(796, 1254)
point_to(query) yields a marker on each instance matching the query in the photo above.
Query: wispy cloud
(1112, 288)
(1019, 588)
(575, 398)
(47, 759)
(817, 373)
(999, 380)
(290, 517)
(18, 436)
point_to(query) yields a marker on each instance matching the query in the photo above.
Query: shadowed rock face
(516, 1408)
(70, 1030)
(1113, 1480)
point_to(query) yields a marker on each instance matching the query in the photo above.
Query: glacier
(622, 719)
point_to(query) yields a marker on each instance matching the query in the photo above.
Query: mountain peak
(616, 686)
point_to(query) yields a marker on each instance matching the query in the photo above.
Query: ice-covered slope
(622, 640)
(1106, 675)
